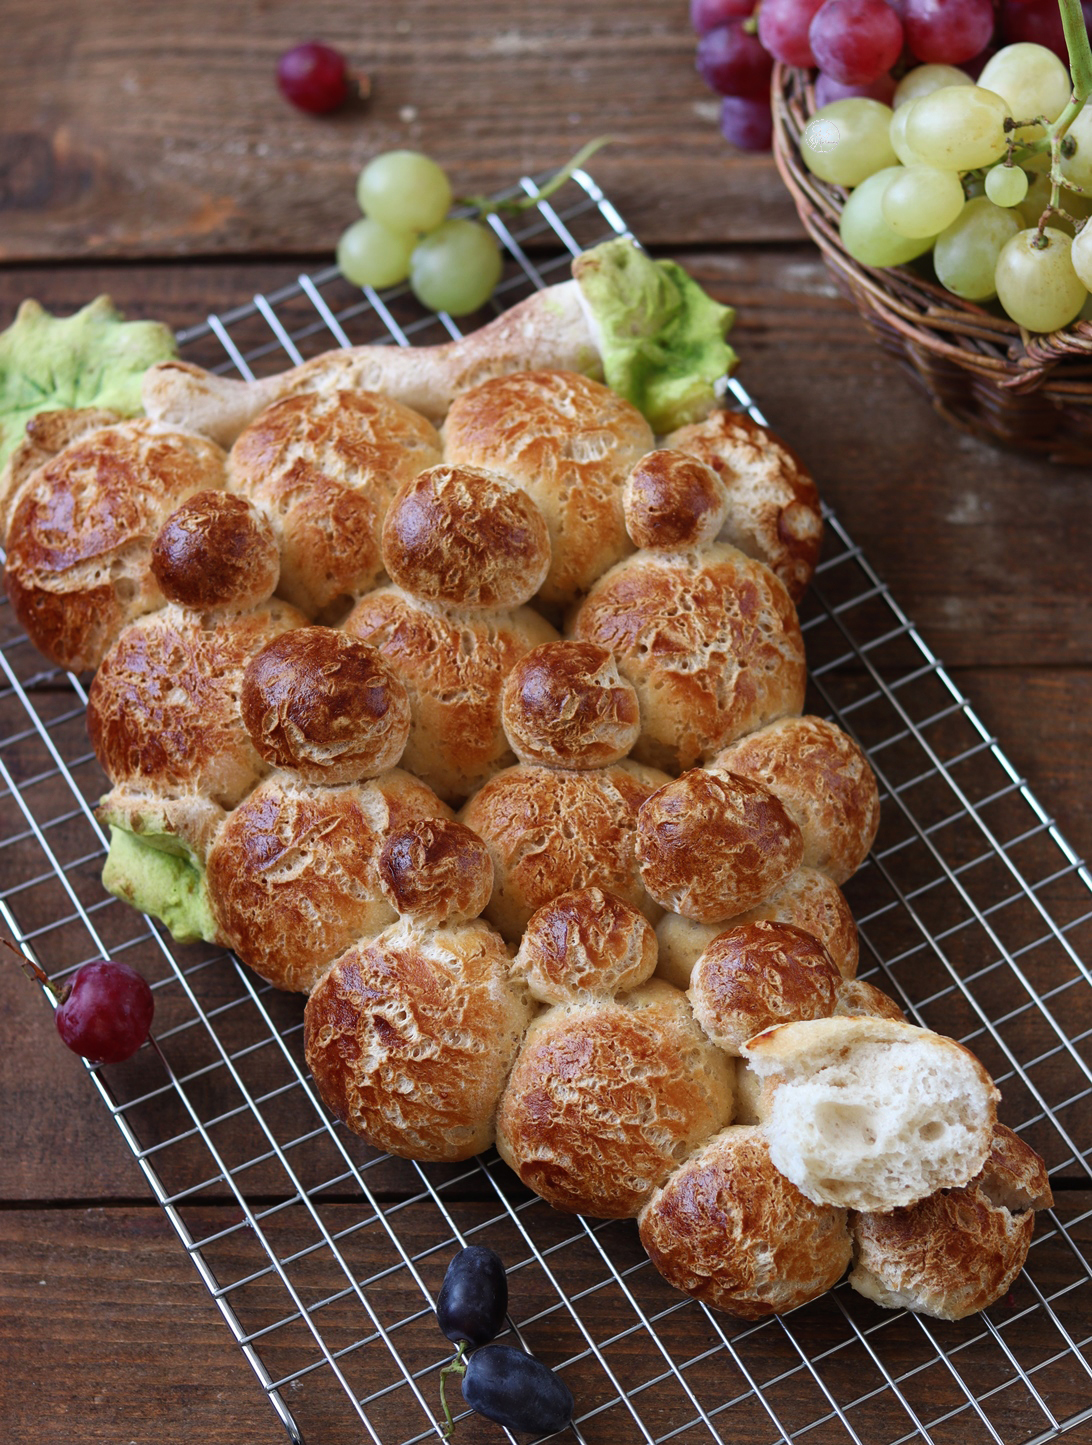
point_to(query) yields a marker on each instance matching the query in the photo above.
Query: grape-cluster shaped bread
(628, 961)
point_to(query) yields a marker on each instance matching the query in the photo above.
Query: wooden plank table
(144, 151)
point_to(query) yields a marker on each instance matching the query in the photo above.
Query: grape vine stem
(456, 1366)
(32, 971)
(1080, 69)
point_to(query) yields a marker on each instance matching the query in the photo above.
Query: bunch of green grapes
(946, 170)
(452, 264)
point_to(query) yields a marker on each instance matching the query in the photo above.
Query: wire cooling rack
(325, 1259)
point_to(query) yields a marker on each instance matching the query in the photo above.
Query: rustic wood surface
(144, 151)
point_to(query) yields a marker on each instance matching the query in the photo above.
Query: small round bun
(860, 1000)
(673, 500)
(436, 871)
(607, 1098)
(773, 505)
(570, 443)
(824, 780)
(709, 639)
(410, 1037)
(757, 975)
(325, 705)
(567, 706)
(731, 1231)
(959, 1250)
(584, 945)
(550, 831)
(710, 845)
(44, 435)
(466, 537)
(216, 550)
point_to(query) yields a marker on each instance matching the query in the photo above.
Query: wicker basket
(980, 370)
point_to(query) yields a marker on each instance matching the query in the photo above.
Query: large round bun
(43, 437)
(607, 1098)
(673, 500)
(773, 504)
(711, 845)
(466, 537)
(710, 640)
(325, 705)
(163, 709)
(79, 544)
(731, 1231)
(583, 945)
(293, 875)
(410, 1037)
(325, 466)
(761, 974)
(570, 443)
(824, 780)
(216, 550)
(567, 706)
(549, 831)
(435, 871)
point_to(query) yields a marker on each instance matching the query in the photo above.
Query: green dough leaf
(160, 877)
(93, 358)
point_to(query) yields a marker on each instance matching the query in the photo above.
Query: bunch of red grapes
(854, 44)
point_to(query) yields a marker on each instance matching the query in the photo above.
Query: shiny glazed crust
(583, 945)
(216, 550)
(674, 501)
(435, 871)
(567, 706)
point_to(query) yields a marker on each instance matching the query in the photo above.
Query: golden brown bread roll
(731, 1231)
(216, 550)
(757, 975)
(44, 436)
(570, 443)
(710, 845)
(959, 1250)
(325, 705)
(606, 1098)
(293, 875)
(710, 640)
(860, 1000)
(325, 466)
(673, 500)
(436, 871)
(409, 1038)
(163, 710)
(80, 537)
(549, 830)
(773, 505)
(453, 664)
(824, 780)
(466, 537)
(583, 945)
(566, 705)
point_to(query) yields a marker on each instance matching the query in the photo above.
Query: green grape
(1081, 256)
(847, 141)
(958, 128)
(370, 254)
(866, 235)
(921, 201)
(965, 255)
(1078, 167)
(1006, 185)
(897, 136)
(924, 79)
(1037, 285)
(404, 190)
(455, 268)
(1032, 81)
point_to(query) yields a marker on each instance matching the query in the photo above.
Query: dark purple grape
(313, 77)
(732, 62)
(706, 15)
(516, 1390)
(948, 32)
(106, 1013)
(746, 123)
(828, 89)
(473, 1297)
(1037, 23)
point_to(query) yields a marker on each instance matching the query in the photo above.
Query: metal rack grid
(324, 1258)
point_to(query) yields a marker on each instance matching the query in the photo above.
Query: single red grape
(783, 29)
(313, 77)
(731, 62)
(706, 15)
(106, 1013)
(855, 41)
(947, 32)
(828, 89)
(746, 122)
(1038, 24)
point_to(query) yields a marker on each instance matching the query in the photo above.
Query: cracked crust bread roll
(728, 1229)
(583, 945)
(410, 1036)
(958, 1251)
(435, 871)
(570, 443)
(873, 1114)
(673, 501)
(44, 436)
(216, 550)
(607, 1098)
(325, 466)
(711, 642)
(80, 537)
(293, 875)
(772, 505)
(566, 705)
(824, 780)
